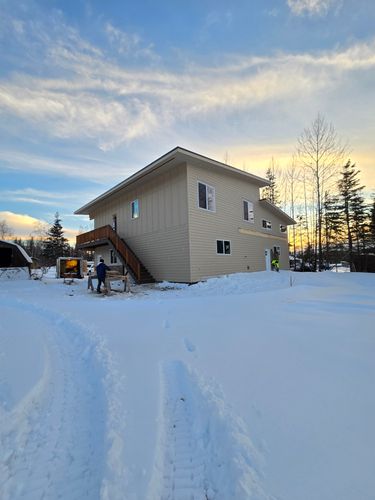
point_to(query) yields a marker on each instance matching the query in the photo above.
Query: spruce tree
(321, 152)
(271, 192)
(372, 224)
(361, 223)
(333, 226)
(56, 245)
(350, 192)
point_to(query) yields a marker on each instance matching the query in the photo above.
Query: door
(267, 254)
(114, 222)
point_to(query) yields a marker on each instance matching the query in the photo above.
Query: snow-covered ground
(255, 386)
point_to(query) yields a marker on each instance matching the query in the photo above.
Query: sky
(92, 91)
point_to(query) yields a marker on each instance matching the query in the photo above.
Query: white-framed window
(206, 197)
(135, 209)
(248, 210)
(113, 257)
(223, 247)
(266, 224)
(283, 228)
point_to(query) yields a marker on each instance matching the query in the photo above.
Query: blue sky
(91, 91)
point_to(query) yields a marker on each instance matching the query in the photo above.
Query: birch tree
(321, 153)
(6, 231)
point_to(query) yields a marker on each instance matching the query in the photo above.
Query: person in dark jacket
(101, 270)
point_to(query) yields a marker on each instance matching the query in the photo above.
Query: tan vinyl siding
(159, 237)
(165, 254)
(205, 227)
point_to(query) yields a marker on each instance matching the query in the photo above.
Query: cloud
(83, 93)
(129, 44)
(109, 105)
(311, 7)
(23, 225)
(91, 169)
(44, 198)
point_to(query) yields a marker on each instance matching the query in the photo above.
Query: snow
(14, 273)
(249, 386)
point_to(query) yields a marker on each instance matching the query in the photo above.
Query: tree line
(322, 191)
(45, 245)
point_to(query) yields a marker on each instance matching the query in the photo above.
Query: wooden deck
(106, 235)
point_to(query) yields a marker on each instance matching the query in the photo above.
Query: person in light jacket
(101, 270)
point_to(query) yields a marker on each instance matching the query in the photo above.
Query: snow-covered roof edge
(22, 250)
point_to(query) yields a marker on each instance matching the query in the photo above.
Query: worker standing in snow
(101, 270)
(275, 264)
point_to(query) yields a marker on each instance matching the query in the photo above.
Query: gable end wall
(247, 250)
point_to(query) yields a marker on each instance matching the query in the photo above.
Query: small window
(282, 228)
(266, 224)
(223, 247)
(135, 209)
(114, 222)
(206, 197)
(248, 211)
(113, 257)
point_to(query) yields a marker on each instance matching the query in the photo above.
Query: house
(15, 263)
(185, 217)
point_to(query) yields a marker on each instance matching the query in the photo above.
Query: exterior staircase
(105, 235)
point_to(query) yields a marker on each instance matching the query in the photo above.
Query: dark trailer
(13, 256)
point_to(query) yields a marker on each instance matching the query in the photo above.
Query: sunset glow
(91, 93)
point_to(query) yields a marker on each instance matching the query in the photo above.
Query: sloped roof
(170, 159)
(22, 250)
(277, 211)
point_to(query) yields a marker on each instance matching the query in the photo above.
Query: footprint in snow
(189, 345)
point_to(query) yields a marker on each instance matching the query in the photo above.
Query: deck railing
(107, 233)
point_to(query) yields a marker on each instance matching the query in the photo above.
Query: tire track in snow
(185, 460)
(52, 442)
(203, 452)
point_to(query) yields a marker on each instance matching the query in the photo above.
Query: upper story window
(283, 228)
(135, 209)
(248, 211)
(206, 197)
(266, 224)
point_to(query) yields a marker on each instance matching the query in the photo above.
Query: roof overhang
(173, 158)
(277, 211)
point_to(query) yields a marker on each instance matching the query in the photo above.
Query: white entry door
(267, 254)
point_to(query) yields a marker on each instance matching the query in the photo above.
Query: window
(267, 224)
(223, 247)
(248, 211)
(282, 228)
(114, 222)
(135, 209)
(206, 197)
(113, 257)
(276, 252)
